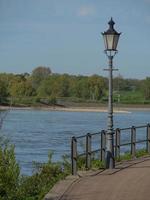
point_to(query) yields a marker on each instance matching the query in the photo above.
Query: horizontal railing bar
(92, 134)
(121, 129)
(125, 144)
(98, 133)
(140, 141)
(97, 150)
(141, 126)
(79, 137)
(124, 129)
(94, 151)
(81, 154)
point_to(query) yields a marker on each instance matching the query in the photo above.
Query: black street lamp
(111, 38)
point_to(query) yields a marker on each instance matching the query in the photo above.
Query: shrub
(13, 186)
(98, 164)
(9, 172)
(45, 176)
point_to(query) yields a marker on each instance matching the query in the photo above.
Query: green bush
(98, 164)
(45, 176)
(95, 163)
(81, 163)
(13, 186)
(141, 152)
(9, 172)
(125, 156)
(128, 156)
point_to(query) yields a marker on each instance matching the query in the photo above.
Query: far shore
(122, 109)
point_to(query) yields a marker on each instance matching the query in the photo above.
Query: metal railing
(88, 151)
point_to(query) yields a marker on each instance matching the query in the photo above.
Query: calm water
(35, 132)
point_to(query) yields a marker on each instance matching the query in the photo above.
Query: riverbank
(120, 109)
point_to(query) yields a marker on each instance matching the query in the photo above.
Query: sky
(65, 35)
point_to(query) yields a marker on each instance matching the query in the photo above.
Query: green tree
(62, 86)
(121, 84)
(48, 87)
(3, 92)
(97, 86)
(39, 74)
(146, 88)
(21, 89)
(78, 87)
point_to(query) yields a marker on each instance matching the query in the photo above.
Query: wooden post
(88, 151)
(117, 146)
(133, 141)
(103, 145)
(74, 155)
(148, 139)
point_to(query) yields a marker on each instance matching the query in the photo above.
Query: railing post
(133, 141)
(74, 155)
(88, 151)
(103, 145)
(117, 145)
(148, 138)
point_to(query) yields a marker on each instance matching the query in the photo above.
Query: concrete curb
(60, 188)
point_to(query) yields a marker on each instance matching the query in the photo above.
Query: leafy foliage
(46, 175)
(9, 172)
(146, 88)
(13, 186)
(127, 155)
(39, 74)
(31, 89)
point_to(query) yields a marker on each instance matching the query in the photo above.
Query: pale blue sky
(66, 36)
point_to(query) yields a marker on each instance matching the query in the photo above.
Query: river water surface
(36, 132)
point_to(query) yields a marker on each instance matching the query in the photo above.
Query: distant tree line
(42, 86)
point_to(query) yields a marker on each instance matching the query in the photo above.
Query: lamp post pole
(110, 140)
(111, 38)
(110, 100)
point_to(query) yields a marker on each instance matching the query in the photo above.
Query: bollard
(74, 156)
(133, 141)
(88, 151)
(117, 146)
(103, 145)
(148, 138)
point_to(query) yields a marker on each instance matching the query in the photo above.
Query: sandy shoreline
(78, 109)
(83, 109)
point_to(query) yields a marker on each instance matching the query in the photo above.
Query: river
(36, 132)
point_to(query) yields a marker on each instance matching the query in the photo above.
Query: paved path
(130, 181)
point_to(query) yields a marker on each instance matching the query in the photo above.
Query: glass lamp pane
(110, 39)
(105, 41)
(115, 42)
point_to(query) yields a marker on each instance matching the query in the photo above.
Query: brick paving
(129, 181)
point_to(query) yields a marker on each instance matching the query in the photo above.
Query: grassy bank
(126, 100)
(78, 106)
